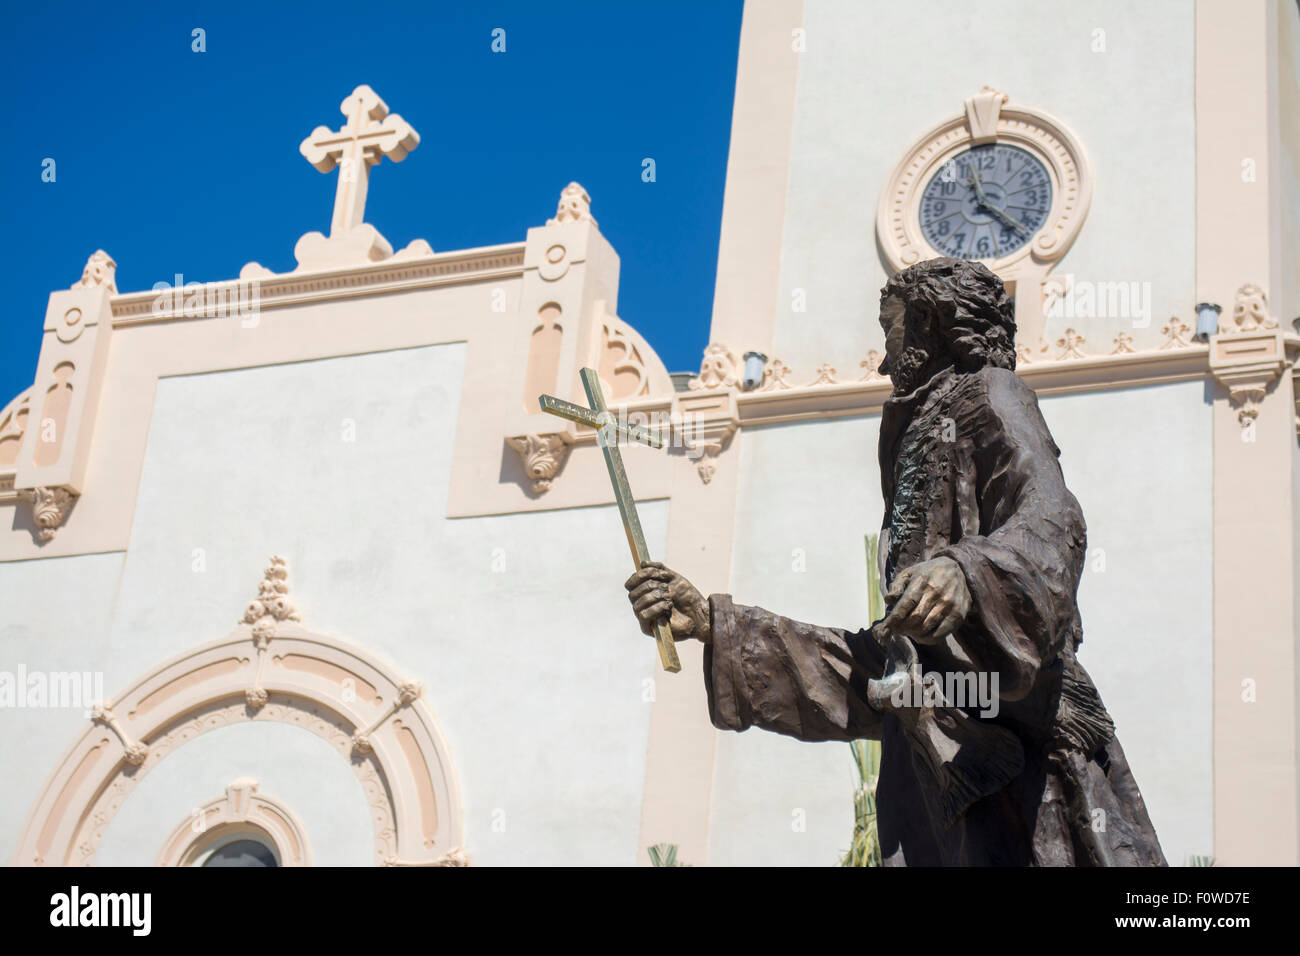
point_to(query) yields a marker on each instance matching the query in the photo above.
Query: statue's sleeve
(796, 679)
(1023, 570)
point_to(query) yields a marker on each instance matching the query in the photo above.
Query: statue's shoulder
(1004, 385)
(1005, 395)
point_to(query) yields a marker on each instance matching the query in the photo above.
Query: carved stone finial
(575, 206)
(542, 456)
(100, 270)
(271, 605)
(50, 508)
(272, 602)
(720, 369)
(1249, 312)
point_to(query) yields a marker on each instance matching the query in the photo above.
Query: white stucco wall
(54, 616)
(877, 74)
(1139, 462)
(808, 495)
(517, 625)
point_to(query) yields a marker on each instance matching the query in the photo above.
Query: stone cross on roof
(370, 134)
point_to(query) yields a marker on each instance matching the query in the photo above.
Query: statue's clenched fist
(657, 592)
(928, 601)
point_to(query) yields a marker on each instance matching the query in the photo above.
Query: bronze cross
(608, 431)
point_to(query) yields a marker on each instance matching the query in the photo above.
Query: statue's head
(945, 312)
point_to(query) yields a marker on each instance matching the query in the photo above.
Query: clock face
(986, 202)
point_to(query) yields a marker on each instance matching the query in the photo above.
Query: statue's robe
(969, 471)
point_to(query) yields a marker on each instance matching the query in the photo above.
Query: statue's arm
(765, 670)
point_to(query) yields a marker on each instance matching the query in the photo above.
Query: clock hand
(1009, 221)
(982, 200)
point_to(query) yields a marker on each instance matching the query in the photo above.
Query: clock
(986, 202)
(1003, 183)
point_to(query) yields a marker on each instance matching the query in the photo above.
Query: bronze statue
(995, 746)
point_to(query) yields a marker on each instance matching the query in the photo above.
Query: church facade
(294, 564)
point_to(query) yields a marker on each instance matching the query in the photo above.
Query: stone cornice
(275, 291)
(844, 399)
(1091, 373)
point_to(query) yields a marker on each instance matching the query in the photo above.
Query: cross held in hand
(608, 431)
(370, 134)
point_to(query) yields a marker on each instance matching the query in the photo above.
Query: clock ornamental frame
(989, 118)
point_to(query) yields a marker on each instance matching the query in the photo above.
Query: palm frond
(865, 848)
(664, 854)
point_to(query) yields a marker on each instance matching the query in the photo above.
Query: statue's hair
(969, 310)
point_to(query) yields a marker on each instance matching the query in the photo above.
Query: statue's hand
(929, 601)
(657, 592)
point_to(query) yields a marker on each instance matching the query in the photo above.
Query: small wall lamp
(1207, 320)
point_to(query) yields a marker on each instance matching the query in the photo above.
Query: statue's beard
(908, 372)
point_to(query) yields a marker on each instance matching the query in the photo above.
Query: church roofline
(378, 278)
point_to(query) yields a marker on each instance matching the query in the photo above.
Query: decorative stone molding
(50, 507)
(272, 602)
(1247, 363)
(774, 373)
(241, 811)
(53, 453)
(407, 693)
(982, 111)
(707, 452)
(622, 368)
(1054, 289)
(1123, 344)
(456, 857)
(575, 206)
(872, 365)
(312, 681)
(1046, 377)
(1249, 312)
(271, 605)
(1070, 345)
(100, 270)
(989, 117)
(279, 291)
(720, 368)
(542, 456)
(825, 375)
(134, 751)
(13, 422)
(555, 262)
(1176, 334)
(706, 420)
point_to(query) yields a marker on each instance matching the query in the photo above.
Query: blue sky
(180, 162)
